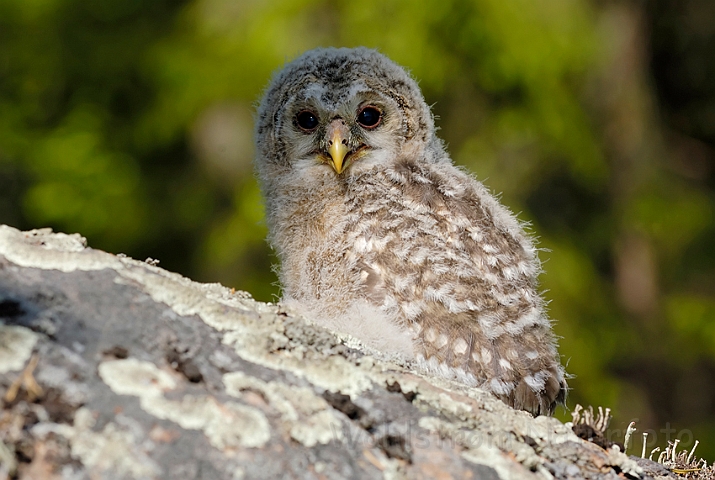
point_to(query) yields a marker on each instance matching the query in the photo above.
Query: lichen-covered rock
(114, 368)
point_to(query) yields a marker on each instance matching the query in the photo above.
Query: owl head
(341, 111)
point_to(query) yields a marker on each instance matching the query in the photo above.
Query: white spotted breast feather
(454, 267)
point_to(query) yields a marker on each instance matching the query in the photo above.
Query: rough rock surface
(115, 368)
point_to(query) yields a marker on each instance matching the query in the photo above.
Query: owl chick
(380, 236)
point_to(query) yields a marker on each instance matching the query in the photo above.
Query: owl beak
(338, 146)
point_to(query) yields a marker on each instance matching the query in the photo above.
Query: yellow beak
(338, 149)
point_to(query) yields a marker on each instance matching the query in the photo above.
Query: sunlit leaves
(80, 184)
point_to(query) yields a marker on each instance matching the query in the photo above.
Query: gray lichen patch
(226, 425)
(113, 449)
(16, 344)
(188, 298)
(307, 417)
(270, 348)
(616, 458)
(56, 251)
(546, 429)
(113, 452)
(487, 448)
(494, 458)
(446, 404)
(135, 377)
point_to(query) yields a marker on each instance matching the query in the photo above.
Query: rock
(115, 368)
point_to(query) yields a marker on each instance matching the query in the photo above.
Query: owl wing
(450, 263)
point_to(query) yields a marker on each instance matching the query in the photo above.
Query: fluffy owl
(381, 236)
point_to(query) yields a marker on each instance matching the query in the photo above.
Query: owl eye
(307, 120)
(369, 117)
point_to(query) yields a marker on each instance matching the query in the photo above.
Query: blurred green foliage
(130, 121)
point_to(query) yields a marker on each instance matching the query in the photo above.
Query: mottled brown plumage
(382, 237)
